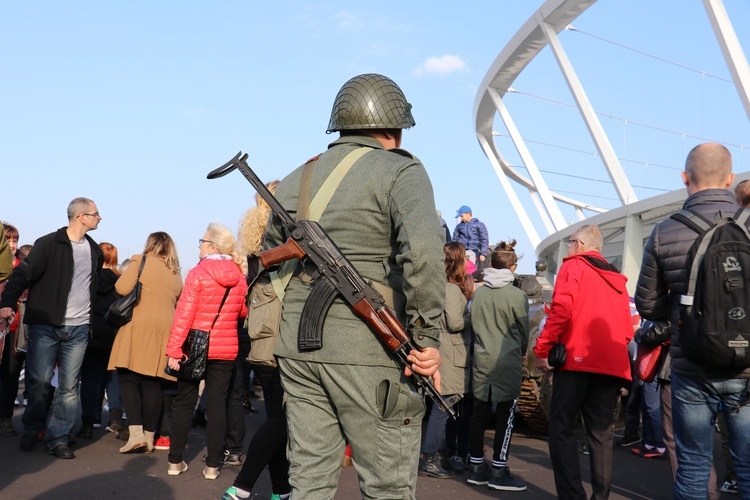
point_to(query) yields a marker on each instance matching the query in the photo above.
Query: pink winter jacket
(201, 296)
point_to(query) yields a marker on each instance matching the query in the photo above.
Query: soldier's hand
(424, 362)
(542, 365)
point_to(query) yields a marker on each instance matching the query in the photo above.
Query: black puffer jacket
(665, 272)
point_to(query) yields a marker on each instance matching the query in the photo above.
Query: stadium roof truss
(624, 228)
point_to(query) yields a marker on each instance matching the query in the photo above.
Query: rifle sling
(280, 278)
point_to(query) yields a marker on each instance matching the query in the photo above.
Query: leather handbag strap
(223, 299)
(140, 269)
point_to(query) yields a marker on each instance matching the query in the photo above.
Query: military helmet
(368, 102)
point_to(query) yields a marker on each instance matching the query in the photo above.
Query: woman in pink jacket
(205, 287)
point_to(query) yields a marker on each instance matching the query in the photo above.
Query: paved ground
(99, 471)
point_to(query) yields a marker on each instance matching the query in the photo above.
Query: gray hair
(591, 236)
(78, 206)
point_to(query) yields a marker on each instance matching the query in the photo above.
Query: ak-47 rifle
(334, 276)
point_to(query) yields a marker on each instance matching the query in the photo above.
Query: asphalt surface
(99, 471)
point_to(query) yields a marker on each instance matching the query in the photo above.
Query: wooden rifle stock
(281, 253)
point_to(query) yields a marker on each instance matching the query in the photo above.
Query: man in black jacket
(60, 273)
(697, 391)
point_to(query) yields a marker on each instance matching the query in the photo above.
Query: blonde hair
(253, 226)
(223, 239)
(161, 246)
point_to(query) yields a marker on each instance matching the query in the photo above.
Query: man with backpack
(673, 286)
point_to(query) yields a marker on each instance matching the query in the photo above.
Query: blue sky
(132, 103)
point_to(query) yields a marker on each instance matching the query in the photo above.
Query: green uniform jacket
(500, 319)
(6, 258)
(383, 218)
(455, 343)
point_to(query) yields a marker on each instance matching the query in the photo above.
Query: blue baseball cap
(463, 210)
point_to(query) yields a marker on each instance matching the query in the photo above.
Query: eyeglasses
(202, 241)
(570, 242)
(95, 214)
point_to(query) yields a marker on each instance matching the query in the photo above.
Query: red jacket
(590, 314)
(201, 296)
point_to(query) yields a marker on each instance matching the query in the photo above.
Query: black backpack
(715, 310)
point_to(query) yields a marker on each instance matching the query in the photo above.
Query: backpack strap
(692, 220)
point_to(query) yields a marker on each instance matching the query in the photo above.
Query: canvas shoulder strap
(280, 278)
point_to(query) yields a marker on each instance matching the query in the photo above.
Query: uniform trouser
(65, 345)
(374, 408)
(595, 397)
(10, 371)
(268, 444)
(218, 374)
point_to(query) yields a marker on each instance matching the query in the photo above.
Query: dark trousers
(93, 382)
(234, 439)
(480, 417)
(218, 374)
(457, 431)
(268, 445)
(10, 371)
(594, 396)
(632, 409)
(141, 397)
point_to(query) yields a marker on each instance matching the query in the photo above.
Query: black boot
(116, 421)
(87, 429)
(429, 465)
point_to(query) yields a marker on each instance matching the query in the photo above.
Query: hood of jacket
(604, 269)
(498, 278)
(223, 270)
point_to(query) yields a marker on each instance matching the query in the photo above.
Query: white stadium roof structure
(627, 221)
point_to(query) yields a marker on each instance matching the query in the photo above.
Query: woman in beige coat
(455, 369)
(138, 351)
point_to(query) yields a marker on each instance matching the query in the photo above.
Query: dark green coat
(500, 319)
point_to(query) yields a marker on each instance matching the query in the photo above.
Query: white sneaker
(211, 472)
(177, 469)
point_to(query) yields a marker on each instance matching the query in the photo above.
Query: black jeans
(457, 431)
(234, 439)
(141, 397)
(93, 382)
(480, 417)
(268, 445)
(10, 370)
(218, 374)
(594, 396)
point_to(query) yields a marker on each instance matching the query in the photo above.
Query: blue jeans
(694, 410)
(47, 345)
(651, 408)
(434, 438)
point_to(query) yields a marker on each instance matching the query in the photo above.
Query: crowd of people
(457, 295)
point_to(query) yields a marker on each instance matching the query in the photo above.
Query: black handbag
(120, 312)
(195, 350)
(556, 356)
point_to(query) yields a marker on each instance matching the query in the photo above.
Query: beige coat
(455, 343)
(139, 345)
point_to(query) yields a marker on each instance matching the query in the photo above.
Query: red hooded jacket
(590, 314)
(201, 296)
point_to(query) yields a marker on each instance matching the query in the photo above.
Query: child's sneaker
(729, 486)
(479, 475)
(502, 479)
(162, 443)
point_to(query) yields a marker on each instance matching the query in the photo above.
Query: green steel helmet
(370, 101)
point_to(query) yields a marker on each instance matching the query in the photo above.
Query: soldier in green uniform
(382, 216)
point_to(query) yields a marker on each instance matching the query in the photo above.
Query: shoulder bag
(120, 312)
(195, 352)
(647, 361)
